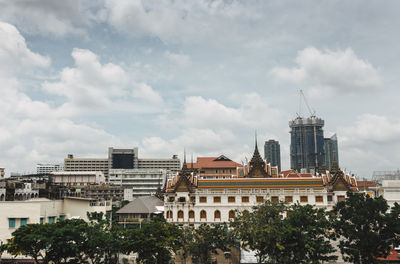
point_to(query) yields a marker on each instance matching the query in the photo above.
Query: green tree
(261, 231)
(30, 240)
(202, 242)
(154, 241)
(305, 236)
(104, 240)
(365, 228)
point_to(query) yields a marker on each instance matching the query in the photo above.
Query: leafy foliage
(261, 231)
(203, 241)
(365, 228)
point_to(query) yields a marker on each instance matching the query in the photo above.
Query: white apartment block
(141, 182)
(47, 168)
(390, 190)
(86, 164)
(172, 166)
(14, 214)
(77, 178)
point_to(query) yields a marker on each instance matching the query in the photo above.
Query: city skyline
(81, 76)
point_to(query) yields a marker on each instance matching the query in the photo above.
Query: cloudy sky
(79, 76)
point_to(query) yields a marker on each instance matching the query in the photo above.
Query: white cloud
(92, 87)
(14, 55)
(48, 17)
(33, 131)
(201, 112)
(178, 59)
(331, 72)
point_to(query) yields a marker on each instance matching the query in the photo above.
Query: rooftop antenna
(310, 110)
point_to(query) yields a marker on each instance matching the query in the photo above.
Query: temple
(193, 197)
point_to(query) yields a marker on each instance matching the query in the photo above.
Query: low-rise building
(47, 168)
(139, 210)
(14, 214)
(86, 164)
(77, 178)
(215, 167)
(142, 182)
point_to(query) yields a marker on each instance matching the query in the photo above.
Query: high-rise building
(331, 151)
(307, 144)
(47, 168)
(272, 153)
(123, 158)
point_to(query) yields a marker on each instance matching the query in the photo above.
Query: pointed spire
(334, 167)
(184, 166)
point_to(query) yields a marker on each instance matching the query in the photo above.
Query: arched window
(217, 214)
(191, 214)
(203, 214)
(180, 214)
(169, 214)
(231, 214)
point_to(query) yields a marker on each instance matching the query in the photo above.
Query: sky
(80, 76)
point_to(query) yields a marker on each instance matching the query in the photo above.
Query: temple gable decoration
(257, 165)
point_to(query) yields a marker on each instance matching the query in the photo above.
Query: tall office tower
(123, 158)
(331, 151)
(307, 144)
(272, 153)
(47, 168)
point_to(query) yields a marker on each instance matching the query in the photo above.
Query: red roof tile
(365, 184)
(210, 162)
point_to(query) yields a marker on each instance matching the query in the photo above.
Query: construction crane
(310, 110)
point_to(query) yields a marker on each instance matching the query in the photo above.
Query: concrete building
(14, 214)
(77, 178)
(331, 151)
(2, 173)
(272, 153)
(138, 182)
(86, 164)
(172, 166)
(47, 168)
(103, 192)
(123, 158)
(307, 144)
(192, 200)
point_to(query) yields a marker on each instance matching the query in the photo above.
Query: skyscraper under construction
(307, 143)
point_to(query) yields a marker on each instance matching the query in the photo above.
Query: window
(319, 199)
(217, 214)
(23, 221)
(330, 198)
(52, 219)
(193, 199)
(274, 199)
(288, 199)
(11, 222)
(341, 198)
(303, 199)
(245, 199)
(260, 199)
(182, 199)
(180, 214)
(231, 214)
(191, 214)
(171, 199)
(203, 214)
(169, 214)
(217, 199)
(231, 199)
(41, 220)
(203, 199)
